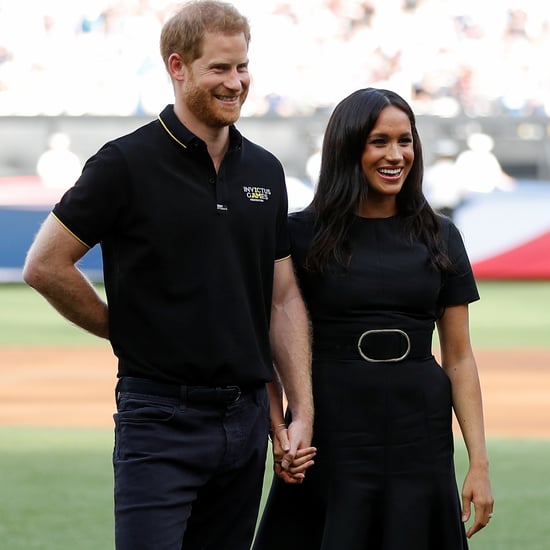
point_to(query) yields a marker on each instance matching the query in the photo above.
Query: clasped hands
(290, 460)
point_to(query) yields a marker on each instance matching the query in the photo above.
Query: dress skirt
(384, 475)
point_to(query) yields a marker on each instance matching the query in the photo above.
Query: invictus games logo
(257, 194)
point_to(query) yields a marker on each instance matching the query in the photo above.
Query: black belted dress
(384, 476)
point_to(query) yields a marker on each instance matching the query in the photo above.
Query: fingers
(482, 517)
(295, 471)
(286, 476)
(483, 511)
(292, 453)
(466, 509)
(303, 460)
(301, 463)
(477, 491)
(282, 438)
(281, 444)
(299, 435)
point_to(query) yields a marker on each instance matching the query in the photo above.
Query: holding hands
(290, 462)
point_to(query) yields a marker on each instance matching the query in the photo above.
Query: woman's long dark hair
(343, 186)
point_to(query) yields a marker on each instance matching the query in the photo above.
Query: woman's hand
(477, 490)
(293, 472)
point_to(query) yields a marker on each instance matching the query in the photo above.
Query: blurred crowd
(447, 57)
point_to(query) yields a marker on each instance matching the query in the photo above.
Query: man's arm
(50, 268)
(291, 347)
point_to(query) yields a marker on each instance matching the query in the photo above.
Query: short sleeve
(282, 248)
(459, 286)
(91, 207)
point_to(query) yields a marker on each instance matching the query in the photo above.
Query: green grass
(509, 314)
(27, 319)
(56, 484)
(519, 472)
(57, 491)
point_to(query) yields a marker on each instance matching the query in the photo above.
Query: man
(191, 218)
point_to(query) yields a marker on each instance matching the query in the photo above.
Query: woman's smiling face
(388, 154)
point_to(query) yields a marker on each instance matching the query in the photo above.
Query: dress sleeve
(459, 286)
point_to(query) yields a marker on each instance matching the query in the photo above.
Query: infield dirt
(74, 387)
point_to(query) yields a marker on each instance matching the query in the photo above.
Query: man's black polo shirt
(188, 254)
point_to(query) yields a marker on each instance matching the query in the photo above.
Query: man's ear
(176, 67)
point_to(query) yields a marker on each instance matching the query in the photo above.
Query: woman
(379, 270)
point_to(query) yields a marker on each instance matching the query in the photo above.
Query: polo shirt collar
(178, 132)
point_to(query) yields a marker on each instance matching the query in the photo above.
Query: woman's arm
(457, 360)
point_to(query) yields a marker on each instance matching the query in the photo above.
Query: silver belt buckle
(384, 330)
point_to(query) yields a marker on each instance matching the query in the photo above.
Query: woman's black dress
(384, 475)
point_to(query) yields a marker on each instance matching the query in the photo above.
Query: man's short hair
(183, 33)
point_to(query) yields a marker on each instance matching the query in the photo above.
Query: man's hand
(289, 464)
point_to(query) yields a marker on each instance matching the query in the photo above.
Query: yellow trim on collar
(282, 259)
(171, 134)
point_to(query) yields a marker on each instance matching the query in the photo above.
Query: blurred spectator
(447, 56)
(300, 194)
(479, 168)
(442, 185)
(313, 163)
(58, 166)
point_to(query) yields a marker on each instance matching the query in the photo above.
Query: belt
(387, 345)
(191, 394)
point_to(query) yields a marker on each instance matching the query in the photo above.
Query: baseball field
(56, 405)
